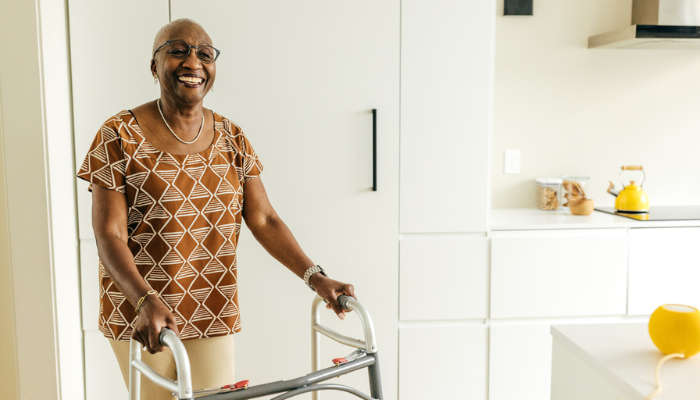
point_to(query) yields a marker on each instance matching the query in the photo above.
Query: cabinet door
(664, 268)
(443, 278)
(558, 273)
(443, 362)
(301, 78)
(520, 358)
(447, 56)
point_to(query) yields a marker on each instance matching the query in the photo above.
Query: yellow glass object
(675, 328)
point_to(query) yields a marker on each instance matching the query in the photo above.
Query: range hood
(656, 24)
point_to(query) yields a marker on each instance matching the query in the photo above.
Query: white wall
(38, 239)
(27, 201)
(572, 110)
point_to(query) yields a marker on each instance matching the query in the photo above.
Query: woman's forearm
(275, 237)
(154, 315)
(109, 221)
(119, 263)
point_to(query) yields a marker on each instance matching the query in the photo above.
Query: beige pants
(211, 361)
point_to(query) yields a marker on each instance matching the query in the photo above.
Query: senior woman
(170, 182)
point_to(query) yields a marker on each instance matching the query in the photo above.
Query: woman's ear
(154, 71)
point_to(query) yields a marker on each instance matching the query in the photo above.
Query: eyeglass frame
(189, 50)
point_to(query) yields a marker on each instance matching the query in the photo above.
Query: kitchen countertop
(509, 219)
(625, 355)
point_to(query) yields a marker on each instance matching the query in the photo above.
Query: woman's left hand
(330, 289)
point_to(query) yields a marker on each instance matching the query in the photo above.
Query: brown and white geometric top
(184, 219)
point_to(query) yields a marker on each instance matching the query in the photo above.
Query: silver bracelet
(311, 271)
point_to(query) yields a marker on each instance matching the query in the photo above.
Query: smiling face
(183, 81)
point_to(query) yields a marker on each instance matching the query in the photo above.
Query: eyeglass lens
(180, 49)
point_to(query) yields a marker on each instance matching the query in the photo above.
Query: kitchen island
(616, 362)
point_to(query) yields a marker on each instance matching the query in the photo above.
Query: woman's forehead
(190, 33)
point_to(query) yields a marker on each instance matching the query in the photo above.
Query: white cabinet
(443, 278)
(558, 273)
(447, 61)
(443, 362)
(664, 268)
(520, 359)
(301, 78)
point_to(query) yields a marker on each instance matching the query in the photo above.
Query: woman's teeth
(189, 79)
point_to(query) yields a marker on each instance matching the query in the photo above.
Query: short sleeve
(104, 163)
(252, 166)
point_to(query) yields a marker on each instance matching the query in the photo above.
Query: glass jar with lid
(549, 193)
(575, 186)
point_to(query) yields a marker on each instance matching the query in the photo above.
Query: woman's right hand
(153, 316)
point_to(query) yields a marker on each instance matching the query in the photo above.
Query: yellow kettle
(631, 199)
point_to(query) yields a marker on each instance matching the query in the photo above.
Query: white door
(301, 78)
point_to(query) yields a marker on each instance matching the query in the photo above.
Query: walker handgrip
(163, 332)
(168, 338)
(343, 301)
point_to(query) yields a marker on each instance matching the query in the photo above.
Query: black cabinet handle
(374, 149)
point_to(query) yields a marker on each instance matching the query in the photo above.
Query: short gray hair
(165, 31)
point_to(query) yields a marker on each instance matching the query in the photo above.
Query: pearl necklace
(171, 129)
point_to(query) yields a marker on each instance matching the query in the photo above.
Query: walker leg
(375, 380)
(315, 358)
(134, 374)
(315, 341)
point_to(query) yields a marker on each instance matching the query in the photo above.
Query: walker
(365, 356)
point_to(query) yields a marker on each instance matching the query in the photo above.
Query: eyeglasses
(181, 49)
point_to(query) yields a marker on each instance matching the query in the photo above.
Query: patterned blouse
(184, 219)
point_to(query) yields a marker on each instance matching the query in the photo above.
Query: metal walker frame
(182, 388)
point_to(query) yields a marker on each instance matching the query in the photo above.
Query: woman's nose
(192, 61)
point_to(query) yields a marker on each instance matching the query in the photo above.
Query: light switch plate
(512, 162)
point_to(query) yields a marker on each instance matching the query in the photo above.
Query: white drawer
(443, 278)
(558, 273)
(664, 268)
(442, 362)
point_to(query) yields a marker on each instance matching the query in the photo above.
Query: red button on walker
(237, 385)
(241, 385)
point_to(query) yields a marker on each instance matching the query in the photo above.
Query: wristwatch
(311, 271)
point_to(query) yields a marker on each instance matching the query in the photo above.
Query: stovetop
(659, 213)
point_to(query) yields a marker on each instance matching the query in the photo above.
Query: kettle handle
(632, 168)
